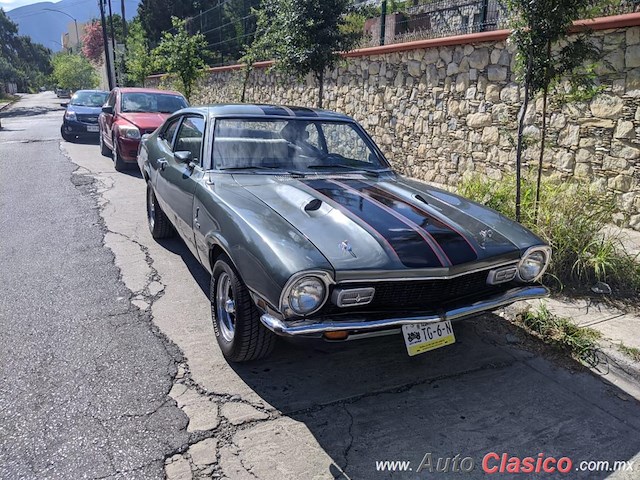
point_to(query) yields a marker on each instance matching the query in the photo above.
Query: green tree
(137, 57)
(305, 36)
(182, 55)
(21, 61)
(539, 26)
(73, 71)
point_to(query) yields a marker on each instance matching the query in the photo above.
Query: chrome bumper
(317, 327)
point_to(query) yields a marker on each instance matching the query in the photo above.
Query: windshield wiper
(263, 167)
(375, 173)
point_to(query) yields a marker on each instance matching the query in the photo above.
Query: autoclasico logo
(494, 462)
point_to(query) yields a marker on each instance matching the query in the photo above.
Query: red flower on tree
(92, 44)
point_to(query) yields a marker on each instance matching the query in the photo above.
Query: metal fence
(230, 25)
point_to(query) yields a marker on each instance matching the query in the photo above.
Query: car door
(107, 119)
(178, 177)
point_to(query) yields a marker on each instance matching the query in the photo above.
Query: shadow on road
(200, 275)
(29, 111)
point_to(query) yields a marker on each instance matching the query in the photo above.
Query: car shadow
(366, 402)
(495, 390)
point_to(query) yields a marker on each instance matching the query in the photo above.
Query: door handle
(195, 220)
(162, 163)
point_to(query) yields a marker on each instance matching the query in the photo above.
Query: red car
(130, 113)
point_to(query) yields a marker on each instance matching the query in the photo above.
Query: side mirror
(64, 104)
(107, 109)
(183, 156)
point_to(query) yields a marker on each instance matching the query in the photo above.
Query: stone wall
(443, 112)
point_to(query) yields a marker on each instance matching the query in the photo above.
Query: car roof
(264, 110)
(147, 90)
(91, 91)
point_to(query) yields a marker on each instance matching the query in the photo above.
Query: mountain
(46, 27)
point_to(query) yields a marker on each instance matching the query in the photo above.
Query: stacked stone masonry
(445, 112)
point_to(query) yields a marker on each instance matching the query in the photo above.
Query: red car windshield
(152, 102)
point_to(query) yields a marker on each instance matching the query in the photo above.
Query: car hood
(83, 110)
(145, 121)
(362, 222)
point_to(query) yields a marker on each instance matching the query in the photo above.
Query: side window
(343, 140)
(169, 130)
(190, 137)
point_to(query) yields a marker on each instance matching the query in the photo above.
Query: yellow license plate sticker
(423, 337)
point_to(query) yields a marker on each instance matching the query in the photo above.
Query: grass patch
(580, 342)
(632, 352)
(571, 218)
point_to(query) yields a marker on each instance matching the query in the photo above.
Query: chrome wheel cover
(151, 207)
(225, 307)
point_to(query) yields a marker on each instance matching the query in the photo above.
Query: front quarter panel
(265, 249)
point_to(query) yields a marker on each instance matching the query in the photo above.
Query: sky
(11, 4)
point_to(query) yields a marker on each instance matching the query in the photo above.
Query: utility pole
(105, 41)
(113, 42)
(124, 22)
(383, 21)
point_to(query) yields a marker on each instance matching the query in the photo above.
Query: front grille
(93, 119)
(426, 295)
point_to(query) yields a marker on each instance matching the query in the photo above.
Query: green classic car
(308, 232)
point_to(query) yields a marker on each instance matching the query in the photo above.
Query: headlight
(70, 116)
(533, 264)
(305, 293)
(130, 132)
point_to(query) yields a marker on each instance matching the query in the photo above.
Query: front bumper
(71, 127)
(316, 327)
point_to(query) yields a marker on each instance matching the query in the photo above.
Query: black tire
(118, 163)
(104, 150)
(159, 223)
(65, 136)
(250, 339)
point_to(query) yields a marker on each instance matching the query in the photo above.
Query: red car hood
(146, 121)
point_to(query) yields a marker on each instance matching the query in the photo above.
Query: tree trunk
(543, 137)
(247, 72)
(523, 112)
(320, 78)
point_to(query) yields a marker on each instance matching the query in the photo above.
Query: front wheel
(236, 320)
(159, 223)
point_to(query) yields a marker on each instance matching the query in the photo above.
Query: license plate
(93, 128)
(422, 337)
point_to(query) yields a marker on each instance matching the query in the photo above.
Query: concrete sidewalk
(619, 326)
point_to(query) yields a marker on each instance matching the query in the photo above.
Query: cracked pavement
(120, 351)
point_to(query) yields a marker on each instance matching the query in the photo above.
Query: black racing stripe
(410, 247)
(303, 112)
(452, 243)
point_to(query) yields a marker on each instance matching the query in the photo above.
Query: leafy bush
(572, 217)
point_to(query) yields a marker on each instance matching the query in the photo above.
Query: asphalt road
(102, 322)
(84, 378)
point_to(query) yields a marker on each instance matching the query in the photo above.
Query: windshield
(89, 99)
(303, 146)
(152, 102)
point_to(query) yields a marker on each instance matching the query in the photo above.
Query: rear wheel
(104, 150)
(236, 320)
(159, 223)
(118, 162)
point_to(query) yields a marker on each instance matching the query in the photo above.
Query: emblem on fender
(345, 246)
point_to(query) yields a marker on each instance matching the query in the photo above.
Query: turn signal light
(339, 335)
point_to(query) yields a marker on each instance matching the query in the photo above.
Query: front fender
(264, 248)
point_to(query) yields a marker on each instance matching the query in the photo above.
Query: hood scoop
(313, 205)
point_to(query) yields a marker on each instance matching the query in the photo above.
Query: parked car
(81, 114)
(63, 93)
(130, 113)
(308, 232)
